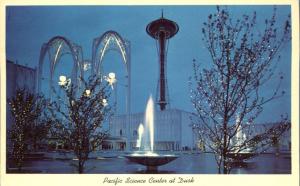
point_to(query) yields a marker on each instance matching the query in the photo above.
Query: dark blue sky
(28, 27)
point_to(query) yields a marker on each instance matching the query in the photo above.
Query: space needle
(162, 30)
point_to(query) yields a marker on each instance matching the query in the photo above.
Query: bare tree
(227, 96)
(27, 111)
(79, 117)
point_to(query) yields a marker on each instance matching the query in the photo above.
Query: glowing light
(104, 102)
(112, 75)
(87, 92)
(111, 79)
(62, 78)
(64, 82)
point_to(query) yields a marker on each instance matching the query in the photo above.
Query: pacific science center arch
(111, 40)
(58, 46)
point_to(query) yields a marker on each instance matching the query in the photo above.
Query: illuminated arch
(56, 47)
(111, 40)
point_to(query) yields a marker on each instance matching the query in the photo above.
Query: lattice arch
(110, 40)
(56, 47)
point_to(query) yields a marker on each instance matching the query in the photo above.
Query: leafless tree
(27, 127)
(79, 117)
(227, 96)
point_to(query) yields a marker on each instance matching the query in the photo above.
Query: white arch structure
(56, 47)
(111, 40)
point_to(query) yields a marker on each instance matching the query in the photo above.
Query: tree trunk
(34, 144)
(80, 166)
(219, 169)
(224, 162)
(225, 166)
(19, 169)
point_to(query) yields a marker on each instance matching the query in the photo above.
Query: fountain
(238, 154)
(140, 132)
(145, 142)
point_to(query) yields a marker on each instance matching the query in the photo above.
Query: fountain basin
(145, 142)
(151, 160)
(241, 156)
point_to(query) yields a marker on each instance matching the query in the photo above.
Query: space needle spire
(162, 30)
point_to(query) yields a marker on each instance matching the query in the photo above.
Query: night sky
(27, 28)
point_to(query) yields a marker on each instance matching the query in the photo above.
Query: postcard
(150, 94)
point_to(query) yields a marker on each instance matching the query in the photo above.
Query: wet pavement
(186, 163)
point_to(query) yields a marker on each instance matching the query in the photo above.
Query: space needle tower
(162, 30)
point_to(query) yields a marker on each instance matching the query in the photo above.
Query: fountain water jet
(240, 152)
(145, 142)
(148, 138)
(140, 132)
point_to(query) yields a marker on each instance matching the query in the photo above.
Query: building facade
(18, 77)
(280, 144)
(172, 130)
(283, 144)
